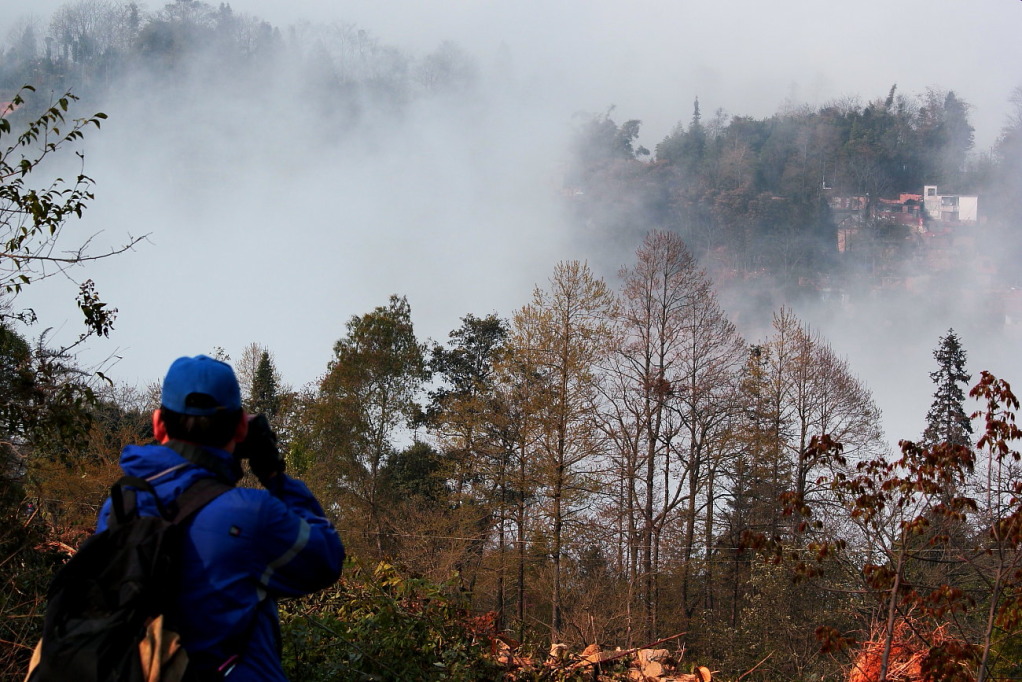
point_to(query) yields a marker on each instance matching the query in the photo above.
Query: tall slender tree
(463, 415)
(247, 364)
(367, 397)
(264, 396)
(705, 379)
(570, 324)
(947, 422)
(758, 474)
(520, 392)
(459, 406)
(638, 417)
(817, 394)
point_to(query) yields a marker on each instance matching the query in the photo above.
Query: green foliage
(46, 403)
(370, 392)
(33, 219)
(264, 398)
(380, 625)
(416, 473)
(757, 190)
(16, 379)
(467, 366)
(374, 379)
(56, 411)
(463, 410)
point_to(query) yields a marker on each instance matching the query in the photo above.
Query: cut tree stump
(653, 669)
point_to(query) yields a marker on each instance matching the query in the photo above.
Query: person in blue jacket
(247, 547)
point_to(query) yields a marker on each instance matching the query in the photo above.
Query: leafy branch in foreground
(944, 561)
(33, 219)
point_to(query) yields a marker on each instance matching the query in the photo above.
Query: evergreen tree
(947, 422)
(695, 141)
(16, 383)
(459, 408)
(264, 397)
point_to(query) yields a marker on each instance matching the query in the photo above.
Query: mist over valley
(592, 327)
(293, 171)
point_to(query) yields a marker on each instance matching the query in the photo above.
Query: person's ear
(159, 428)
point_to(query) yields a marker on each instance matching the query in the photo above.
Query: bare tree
(640, 415)
(704, 381)
(818, 394)
(84, 29)
(570, 323)
(520, 389)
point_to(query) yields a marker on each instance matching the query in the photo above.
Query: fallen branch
(753, 668)
(629, 652)
(19, 645)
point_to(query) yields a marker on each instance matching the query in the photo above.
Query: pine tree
(947, 422)
(932, 557)
(263, 397)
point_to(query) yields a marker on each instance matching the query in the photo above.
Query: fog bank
(273, 217)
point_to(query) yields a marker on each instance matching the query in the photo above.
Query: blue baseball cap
(200, 386)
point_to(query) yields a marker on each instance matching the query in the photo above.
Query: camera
(260, 449)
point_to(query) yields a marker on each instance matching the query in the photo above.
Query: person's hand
(260, 449)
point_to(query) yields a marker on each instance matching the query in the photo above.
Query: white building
(949, 207)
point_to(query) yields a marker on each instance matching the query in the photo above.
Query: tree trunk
(555, 604)
(892, 611)
(708, 540)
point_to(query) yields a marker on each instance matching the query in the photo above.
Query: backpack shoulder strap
(196, 496)
(124, 503)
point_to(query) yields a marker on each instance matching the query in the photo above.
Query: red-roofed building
(907, 209)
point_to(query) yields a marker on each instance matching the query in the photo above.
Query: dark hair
(215, 430)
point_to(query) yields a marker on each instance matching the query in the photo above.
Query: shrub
(381, 625)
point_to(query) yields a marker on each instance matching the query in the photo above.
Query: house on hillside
(950, 208)
(929, 214)
(907, 210)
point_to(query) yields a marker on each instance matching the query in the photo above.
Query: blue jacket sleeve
(302, 551)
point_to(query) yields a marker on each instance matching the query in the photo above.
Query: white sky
(255, 240)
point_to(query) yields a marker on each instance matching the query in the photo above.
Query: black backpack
(105, 604)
